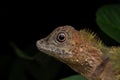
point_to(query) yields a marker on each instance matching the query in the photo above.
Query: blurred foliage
(74, 77)
(108, 19)
(36, 66)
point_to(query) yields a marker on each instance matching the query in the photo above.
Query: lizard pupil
(61, 37)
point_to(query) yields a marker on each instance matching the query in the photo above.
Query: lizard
(83, 52)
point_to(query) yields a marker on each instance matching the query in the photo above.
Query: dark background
(3, 11)
(36, 20)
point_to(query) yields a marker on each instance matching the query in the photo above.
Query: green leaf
(47, 69)
(108, 19)
(74, 77)
(20, 53)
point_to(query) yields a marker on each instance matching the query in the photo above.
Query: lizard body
(83, 52)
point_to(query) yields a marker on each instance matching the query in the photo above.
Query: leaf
(74, 77)
(20, 53)
(108, 19)
(47, 69)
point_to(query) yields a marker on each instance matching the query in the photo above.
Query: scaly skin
(83, 52)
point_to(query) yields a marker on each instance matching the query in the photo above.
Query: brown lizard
(83, 52)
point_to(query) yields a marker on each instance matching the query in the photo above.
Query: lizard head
(61, 43)
(75, 48)
(68, 45)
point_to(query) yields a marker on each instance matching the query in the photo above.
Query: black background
(34, 20)
(3, 11)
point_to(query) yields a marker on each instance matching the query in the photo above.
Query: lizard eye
(61, 37)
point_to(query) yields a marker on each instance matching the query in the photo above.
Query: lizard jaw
(51, 50)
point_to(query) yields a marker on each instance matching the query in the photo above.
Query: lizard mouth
(50, 50)
(43, 47)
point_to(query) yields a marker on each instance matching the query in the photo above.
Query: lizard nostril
(39, 42)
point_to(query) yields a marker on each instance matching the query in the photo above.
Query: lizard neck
(86, 70)
(103, 71)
